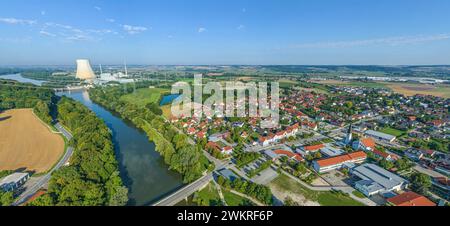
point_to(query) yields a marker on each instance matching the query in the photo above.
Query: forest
(182, 157)
(15, 95)
(92, 179)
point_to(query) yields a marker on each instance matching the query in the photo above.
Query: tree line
(92, 178)
(15, 95)
(257, 191)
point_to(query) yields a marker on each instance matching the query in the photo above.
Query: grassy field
(353, 84)
(208, 196)
(407, 89)
(411, 89)
(359, 194)
(291, 186)
(235, 200)
(26, 143)
(144, 96)
(392, 131)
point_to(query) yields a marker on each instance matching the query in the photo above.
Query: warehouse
(376, 180)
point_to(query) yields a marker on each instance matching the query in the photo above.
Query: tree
(317, 155)
(420, 183)
(120, 197)
(386, 164)
(153, 107)
(6, 198)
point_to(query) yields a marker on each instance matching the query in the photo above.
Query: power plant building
(84, 70)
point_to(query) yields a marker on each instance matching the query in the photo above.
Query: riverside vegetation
(182, 156)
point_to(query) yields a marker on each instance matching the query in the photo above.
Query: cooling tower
(84, 70)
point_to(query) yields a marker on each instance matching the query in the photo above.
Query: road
(185, 192)
(43, 181)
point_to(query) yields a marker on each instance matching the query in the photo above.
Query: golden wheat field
(27, 143)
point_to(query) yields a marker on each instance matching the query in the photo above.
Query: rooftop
(379, 134)
(378, 175)
(13, 178)
(410, 199)
(342, 159)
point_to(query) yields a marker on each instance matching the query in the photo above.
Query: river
(142, 168)
(20, 78)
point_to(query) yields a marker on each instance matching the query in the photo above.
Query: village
(373, 145)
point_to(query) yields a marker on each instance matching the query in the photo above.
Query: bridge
(185, 192)
(191, 188)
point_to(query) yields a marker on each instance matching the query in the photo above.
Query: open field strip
(26, 143)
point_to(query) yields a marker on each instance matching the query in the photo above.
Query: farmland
(26, 143)
(407, 89)
(144, 96)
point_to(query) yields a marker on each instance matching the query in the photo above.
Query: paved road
(185, 192)
(43, 181)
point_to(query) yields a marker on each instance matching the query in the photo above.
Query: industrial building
(376, 180)
(380, 136)
(84, 70)
(13, 181)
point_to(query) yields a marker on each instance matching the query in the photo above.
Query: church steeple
(349, 137)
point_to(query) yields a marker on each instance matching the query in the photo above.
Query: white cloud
(110, 20)
(133, 29)
(17, 21)
(45, 33)
(201, 30)
(70, 33)
(392, 41)
(97, 8)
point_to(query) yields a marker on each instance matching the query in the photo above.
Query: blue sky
(387, 32)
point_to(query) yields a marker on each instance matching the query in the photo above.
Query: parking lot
(335, 178)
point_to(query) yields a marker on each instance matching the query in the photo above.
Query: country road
(41, 182)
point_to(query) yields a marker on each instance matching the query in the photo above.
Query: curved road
(43, 181)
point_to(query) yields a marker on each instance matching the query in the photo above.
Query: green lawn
(323, 198)
(208, 196)
(364, 84)
(392, 131)
(235, 200)
(358, 194)
(144, 96)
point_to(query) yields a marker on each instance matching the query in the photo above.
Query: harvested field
(424, 89)
(26, 143)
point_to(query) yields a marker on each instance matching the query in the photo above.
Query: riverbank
(178, 153)
(142, 169)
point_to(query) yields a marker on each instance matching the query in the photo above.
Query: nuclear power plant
(84, 70)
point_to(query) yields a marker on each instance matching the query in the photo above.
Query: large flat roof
(379, 134)
(13, 178)
(379, 175)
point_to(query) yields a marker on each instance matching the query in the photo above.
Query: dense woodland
(15, 95)
(92, 179)
(93, 176)
(182, 157)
